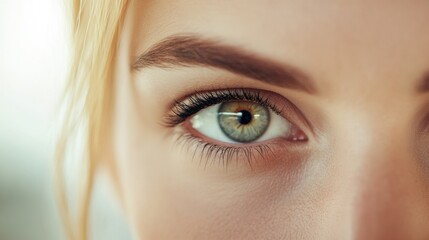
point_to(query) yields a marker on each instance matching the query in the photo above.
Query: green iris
(243, 121)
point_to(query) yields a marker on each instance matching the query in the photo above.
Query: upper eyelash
(198, 101)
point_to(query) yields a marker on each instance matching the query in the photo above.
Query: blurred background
(34, 51)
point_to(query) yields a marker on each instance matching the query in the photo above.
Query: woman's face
(274, 119)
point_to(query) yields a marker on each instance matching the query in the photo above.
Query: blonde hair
(95, 29)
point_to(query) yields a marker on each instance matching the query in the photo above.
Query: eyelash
(184, 109)
(223, 154)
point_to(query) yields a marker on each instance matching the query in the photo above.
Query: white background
(33, 65)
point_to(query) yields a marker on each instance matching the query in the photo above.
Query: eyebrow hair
(192, 50)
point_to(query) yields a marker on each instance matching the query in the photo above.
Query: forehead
(333, 39)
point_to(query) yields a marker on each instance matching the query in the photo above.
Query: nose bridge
(386, 192)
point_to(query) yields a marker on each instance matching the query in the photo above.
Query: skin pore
(354, 77)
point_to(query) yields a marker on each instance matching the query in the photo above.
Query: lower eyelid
(187, 130)
(244, 159)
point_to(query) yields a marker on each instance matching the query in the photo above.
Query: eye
(243, 122)
(250, 126)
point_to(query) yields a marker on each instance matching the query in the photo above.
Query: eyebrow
(192, 50)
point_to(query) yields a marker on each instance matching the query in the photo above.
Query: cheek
(165, 198)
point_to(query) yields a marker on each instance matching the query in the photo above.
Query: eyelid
(259, 157)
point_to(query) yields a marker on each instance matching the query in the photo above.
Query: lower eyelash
(223, 155)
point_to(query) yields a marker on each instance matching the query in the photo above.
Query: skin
(363, 174)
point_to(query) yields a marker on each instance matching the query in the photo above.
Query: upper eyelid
(219, 96)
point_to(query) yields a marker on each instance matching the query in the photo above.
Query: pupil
(245, 118)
